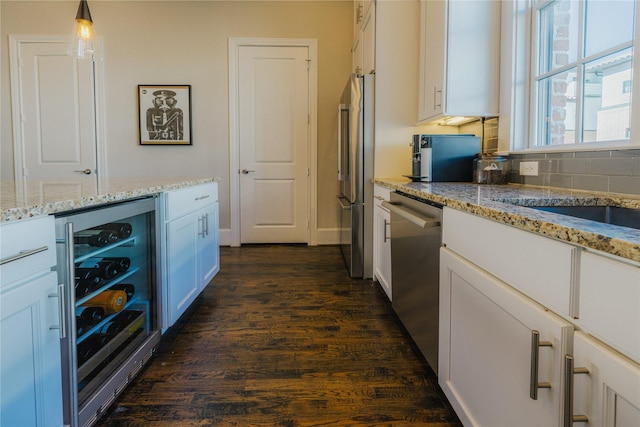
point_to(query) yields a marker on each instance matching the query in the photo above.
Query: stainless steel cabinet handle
(206, 196)
(534, 385)
(435, 92)
(411, 216)
(61, 311)
(201, 232)
(206, 224)
(384, 234)
(85, 171)
(246, 171)
(568, 418)
(23, 254)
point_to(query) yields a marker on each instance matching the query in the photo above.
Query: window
(582, 63)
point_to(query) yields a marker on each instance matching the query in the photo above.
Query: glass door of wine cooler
(112, 298)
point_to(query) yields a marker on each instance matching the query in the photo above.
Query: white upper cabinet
(364, 43)
(459, 59)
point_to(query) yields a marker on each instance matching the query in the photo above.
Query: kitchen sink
(625, 217)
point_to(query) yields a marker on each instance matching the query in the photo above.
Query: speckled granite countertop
(508, 204)
(50, 196)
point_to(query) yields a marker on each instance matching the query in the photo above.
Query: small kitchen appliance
(443, 157)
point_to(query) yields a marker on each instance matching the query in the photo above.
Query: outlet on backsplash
(529, 168)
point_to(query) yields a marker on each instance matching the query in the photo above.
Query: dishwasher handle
(412, 216)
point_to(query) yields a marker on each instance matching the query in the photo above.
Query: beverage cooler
(111, 302)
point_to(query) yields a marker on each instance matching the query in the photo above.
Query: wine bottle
(96, 238)
(89, 347)
(82, 326)
(87, 318)
(122, 263)
(128, 289)
(97, 267)
(112, 301)
(85, 287)
(93, 313)
(123, 229)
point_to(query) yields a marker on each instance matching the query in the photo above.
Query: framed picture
(164, 114)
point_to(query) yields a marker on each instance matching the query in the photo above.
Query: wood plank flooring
(283, 337)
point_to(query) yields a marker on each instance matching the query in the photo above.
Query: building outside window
(582, 71)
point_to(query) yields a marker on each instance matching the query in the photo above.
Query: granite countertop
(508, 204)
(50, 196)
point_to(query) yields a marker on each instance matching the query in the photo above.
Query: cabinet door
(368, 38)
(432, 57)
(182, 252)
(208, 245)
(610, 302)
(382, 247)
(609, 395)
(487, 352)
(31, 376)
(357, 55)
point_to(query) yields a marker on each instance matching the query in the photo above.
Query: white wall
(185, 42)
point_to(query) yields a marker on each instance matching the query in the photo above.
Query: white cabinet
(363, 51)
(357, 57)
(606, 387)
(494, 279)
(488, 359)
(191, 255)
(459, 59)
(610, 302)
(30, 368)
(542, 269)
(381, 239)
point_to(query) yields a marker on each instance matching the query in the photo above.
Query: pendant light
(84, 43)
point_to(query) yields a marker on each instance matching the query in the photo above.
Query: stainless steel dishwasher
(416, 237)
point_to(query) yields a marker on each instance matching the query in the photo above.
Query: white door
(54, 113)
(273, 131)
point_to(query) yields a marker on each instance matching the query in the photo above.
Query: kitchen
(137, 38)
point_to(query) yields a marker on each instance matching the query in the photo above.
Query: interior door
(54, 113)
(273, 115)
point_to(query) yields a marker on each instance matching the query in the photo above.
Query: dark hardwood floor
(283, 337)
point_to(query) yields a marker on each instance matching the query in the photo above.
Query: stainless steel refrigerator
(355, 174)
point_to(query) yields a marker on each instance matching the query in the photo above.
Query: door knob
(246, 171)
(86, 171)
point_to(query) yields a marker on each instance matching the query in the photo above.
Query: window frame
(518, 91)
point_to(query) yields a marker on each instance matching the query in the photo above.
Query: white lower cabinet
(191, 256)
(606, 386)
(498, 285)
(382, 240)
(609, 307)
(490, 367)
(30, 368)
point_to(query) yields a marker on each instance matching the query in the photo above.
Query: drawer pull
(206, 196)
(569, 372)
(534, 385)
(23, 254)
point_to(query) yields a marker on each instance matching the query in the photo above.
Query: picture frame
(164, 114)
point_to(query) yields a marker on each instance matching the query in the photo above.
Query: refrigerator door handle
(341, 109)
(345, 205)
